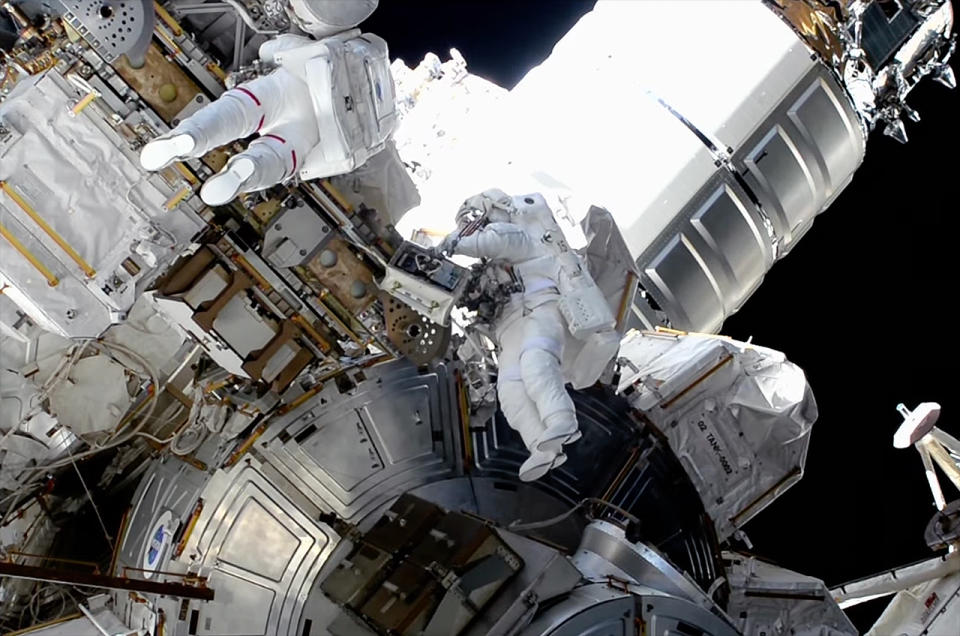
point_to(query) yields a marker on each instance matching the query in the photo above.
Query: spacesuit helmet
(495, 204)
(322, 18)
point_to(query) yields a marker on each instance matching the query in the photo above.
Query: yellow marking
(175, 200)
(194, 517)
(120, 536)
(462, 402)
(300, 400)
(624, 300)
(432, 232)
(727, 358)
(39, 626)
(176, 50)
(185, 171)
(52, 280)
(247, 445)
(83, 103)
(668, 330)
(304, 324)
(336, 196)
(216, 70)
(132, 414)
(245, 265)
(89, 271)
(218, 385)
(325, 299)
(168, 20)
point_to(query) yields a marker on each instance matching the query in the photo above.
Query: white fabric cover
(738, 416)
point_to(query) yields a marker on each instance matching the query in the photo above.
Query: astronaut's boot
(165, 149)
(561, 428)
(227, 184)
(539, 464)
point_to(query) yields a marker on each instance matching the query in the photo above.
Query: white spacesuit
(555, 299)
(327, 108)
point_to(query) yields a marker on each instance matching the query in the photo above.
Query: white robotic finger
(162, 151)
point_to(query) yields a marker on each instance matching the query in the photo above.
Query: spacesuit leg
(520, 411)
(268, 160)
(240, 112)
(522, 416)
(542, 350)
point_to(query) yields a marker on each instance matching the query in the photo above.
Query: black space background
(862, 303)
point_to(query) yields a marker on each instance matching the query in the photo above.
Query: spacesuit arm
(506, 241)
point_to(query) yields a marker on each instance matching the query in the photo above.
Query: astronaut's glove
(448, 245)
(277, 107)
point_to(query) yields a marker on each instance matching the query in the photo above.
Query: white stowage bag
(94, 398)
(738, 416)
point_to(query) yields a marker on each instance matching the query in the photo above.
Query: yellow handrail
(89, 271)
(52, 280)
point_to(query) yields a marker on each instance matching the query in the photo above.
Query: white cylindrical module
(708, 129)
(711, 130)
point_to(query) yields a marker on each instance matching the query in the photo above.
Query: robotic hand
(324, 111)
(521, 238)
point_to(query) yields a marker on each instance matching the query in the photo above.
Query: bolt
(328, 258)
(358, 289)
(71, 314)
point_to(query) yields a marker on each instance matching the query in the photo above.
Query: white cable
(534, 525)
(142, 420)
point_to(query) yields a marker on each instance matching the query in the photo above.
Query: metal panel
(724, 89)
(703, 267)
(595, 609)
(498, 450)
(354, 452)
(712, 259)
(112, 27)
(242, 607)
(244, 510)
(75, 196)
(172, 486)
(259, 542)
(800, 158)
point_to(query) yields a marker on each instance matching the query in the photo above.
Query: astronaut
(554, 309)
(325, 110)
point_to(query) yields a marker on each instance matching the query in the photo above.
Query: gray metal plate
(715, 253)
(803, 155)
(113, 27)
(354, 452)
